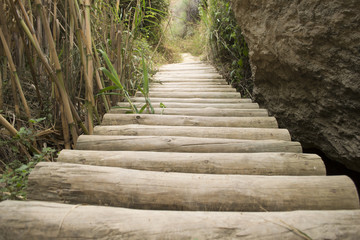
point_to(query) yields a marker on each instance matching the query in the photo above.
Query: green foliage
(14, 179)
(111, 73)
(226, 45)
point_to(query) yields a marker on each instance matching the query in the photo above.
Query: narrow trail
(208, 165)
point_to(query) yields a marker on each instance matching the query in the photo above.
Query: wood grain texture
(296, 164)
(197, 105)
(193, 100)
(75, 183)
(183, 144)
(191, 131)
(179, 120)
(185, 94)
(45, 220)
(180, 89)
(209, 111)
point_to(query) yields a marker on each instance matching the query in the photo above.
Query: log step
(44, 220)
(183, 144)
(178, 120)
(70, 183)
(186, 86)
(194, 83)
(197, 105)
(193, 100)
(180, 89)
(202, 132)
(188, 76)
(295, 164)
(190, 95)
(194, 80)
(209, 111)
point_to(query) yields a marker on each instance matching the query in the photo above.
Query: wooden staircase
(210, 165)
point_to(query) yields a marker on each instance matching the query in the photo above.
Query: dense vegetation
(55, 84)
(63, 64)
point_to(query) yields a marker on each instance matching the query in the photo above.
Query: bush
(227, 48)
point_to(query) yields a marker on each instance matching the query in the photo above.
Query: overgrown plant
(226, 47)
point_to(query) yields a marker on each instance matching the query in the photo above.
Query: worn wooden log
(183, 144)
(185, 76)
(203, 83)
(195, 131)
(45, 220)
(177, 120)
(187, 68)
(199, 81)
(197, 105)
(180, 89)
(76, 183)
(295, 164)
(186, 86)
(191, 94)
(208, 111)
(194, 100)
(190, 74)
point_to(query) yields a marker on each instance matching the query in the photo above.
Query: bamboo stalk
(1, 91)
(16, 77)
(59, 73)
(89, 68)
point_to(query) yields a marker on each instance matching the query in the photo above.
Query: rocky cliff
(305, 60)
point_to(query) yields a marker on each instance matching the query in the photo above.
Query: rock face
(305, 60)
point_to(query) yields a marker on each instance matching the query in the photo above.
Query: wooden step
(187, 86)
(85, 184)
(193, 100)
(195, 83)
(44, 220)
(191, 131)
(296, 164)
(180, 89)
(188, 74)
(186, 80)
(179, 120)
(197, 105)
(208, 111)
(183, 144)
(190, 95)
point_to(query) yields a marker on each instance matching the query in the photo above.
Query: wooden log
(203, 83)
(210, 112)
(199, 70)
(177, 120)
(183, 76)
(45, 220)
(191, 95)
(183, 144)
(197, 105)
(180, 89)
(295, 164)
(182, 191)
(194, 100)
(195, 131)
(186, 80)
(186, 86)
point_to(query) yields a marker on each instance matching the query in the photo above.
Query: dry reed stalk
(15, 75)
(1, 92)
(59, 73)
